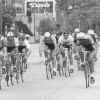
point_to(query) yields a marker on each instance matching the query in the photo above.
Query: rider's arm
(5, 51)
(54, 41)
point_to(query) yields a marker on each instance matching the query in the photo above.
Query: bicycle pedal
(92, 80)
(3, 70)
(71, 70)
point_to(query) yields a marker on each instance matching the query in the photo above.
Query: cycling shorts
(20, 48)
(50, 46)
(10, 49)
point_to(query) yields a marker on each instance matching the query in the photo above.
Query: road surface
(37, 87)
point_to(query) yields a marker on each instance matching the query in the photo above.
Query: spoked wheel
(21, 74)
(65, 68)
(7, 74)
(87, 76)
(17, 73)
(0, 77)
(51, 71)
(11, 76)
(17, 77)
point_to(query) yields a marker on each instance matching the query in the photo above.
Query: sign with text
(40, 7)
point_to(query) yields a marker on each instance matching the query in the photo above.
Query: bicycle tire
(47, 72)
(7, 73)
(0, 77)
(51, 72)
(17, 72)
(21, 72)
(86, 72)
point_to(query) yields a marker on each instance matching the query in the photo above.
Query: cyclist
(24, 46)
(86, 42)
(67, 40)
(58, 32)
(96, 42)
(49, 42)
(11, 46)
(76, 31)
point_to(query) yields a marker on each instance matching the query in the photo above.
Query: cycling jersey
(67, 41)
(23, 44)
(87, 43)
(10, 44)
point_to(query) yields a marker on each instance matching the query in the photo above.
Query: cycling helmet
(90, 32)
(47, 35)
(77, 30)
(81, 35)
(10, 34)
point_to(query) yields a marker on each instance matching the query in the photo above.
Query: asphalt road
(37, 87)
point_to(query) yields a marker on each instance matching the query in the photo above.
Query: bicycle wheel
(0, 76)
(47, 69)
(11, 74)
(65, 68)
(17, 72)
(21, 71)
(7, 73)
(87, 76)
(51, 70)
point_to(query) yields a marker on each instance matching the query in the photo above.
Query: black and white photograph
(49, 50)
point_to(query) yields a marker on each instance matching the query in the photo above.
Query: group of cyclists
(76, 43)
(10, 44)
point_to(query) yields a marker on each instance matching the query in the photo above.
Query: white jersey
(68, 41)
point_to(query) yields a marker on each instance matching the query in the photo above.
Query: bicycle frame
(67, 65)
(49, 69)
(86, 68)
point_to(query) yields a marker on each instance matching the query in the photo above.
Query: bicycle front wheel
(87, 76)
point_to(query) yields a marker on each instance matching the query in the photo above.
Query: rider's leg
(91, 63)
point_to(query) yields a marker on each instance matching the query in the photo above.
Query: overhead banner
(40, 7)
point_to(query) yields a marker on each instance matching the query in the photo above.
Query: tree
(45, 25)
(23, 27)
(8, 15)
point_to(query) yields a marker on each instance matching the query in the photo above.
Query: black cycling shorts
(9, 49)
(50, 46)
(88, 47)
(20, 48)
